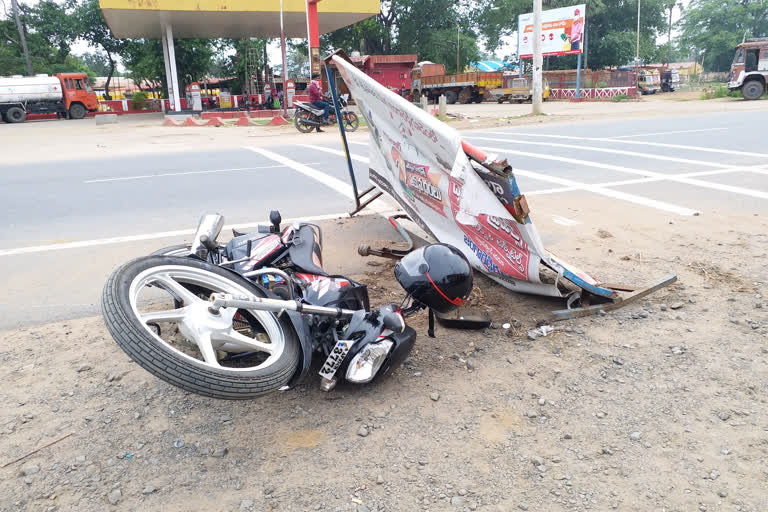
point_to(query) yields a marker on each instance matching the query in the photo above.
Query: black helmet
(436, 275)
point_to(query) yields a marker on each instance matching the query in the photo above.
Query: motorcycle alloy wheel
(351, 122)
(303, 127)
(155, 310)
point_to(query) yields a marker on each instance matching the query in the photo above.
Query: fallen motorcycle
(248, 317)
(308, 117)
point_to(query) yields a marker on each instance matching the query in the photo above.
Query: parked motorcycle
(308, 117)
(248, 317)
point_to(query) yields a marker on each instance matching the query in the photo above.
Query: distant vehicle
(648, 81)
(670, 80)
(429, 79)
(68, 94)
(749, 69)
(518, 89)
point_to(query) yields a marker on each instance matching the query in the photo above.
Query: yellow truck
(429, 79)
(518, 89)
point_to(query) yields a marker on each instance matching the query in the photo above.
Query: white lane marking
(649, 174)
(666, 133)
(571, 185)
(603, 150)
(209, 171)
(358, 143)
(614, 194)
(382, 206)
(161, 234)
(564, 221)
(324, 149)
(334, 184)
(638, 142)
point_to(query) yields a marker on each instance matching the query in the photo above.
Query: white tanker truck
(68, 94)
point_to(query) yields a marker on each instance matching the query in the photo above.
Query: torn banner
(475, 206)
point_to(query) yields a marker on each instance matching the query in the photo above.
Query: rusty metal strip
(568, 314)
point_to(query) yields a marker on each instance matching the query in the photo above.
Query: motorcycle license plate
(335, 358)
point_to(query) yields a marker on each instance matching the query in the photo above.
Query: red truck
(68, 94)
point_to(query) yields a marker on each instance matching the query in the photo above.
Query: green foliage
(622, 97)
(139, 100)
(714, 28)
(718, 91)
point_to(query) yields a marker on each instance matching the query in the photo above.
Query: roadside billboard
(562, 32)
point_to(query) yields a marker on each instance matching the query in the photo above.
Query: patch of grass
(714, 92)
(622, 97)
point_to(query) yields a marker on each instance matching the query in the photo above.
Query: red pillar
(314, 36)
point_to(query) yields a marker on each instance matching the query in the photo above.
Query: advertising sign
(562, 32)
(422, 164)
(225, 99)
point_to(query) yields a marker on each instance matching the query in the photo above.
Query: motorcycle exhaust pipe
(208, 230)
(309, 121)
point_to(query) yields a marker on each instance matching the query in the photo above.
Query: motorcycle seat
(306, 251)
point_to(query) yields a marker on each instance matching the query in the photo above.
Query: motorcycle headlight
(368, 361)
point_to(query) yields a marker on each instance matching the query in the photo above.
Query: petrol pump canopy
(229, 18)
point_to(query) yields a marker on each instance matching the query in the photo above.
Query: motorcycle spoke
(177, 289)
(245, 342)
(167, 315)
(205, 345)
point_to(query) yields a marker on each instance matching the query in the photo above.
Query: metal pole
(519, 59)
(340, 120)
(167, 63)
(578, 77)
(537, 57)
(22, 37)
(637, 51)
(172, 65)
(637, 48)
(282, 45)
(457, 48)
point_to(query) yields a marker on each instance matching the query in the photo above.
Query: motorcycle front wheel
(303, 127)
(157, 311)
(351, 122)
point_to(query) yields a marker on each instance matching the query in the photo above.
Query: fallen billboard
(562, 32)
(459, 195)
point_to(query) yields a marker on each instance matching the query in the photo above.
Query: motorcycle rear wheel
(232, 354)
(351, 122)
(303, 127)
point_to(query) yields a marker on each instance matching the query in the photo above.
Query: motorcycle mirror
(275, 219)
(209, 226)
(394, 322)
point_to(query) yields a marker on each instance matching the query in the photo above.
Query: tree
(143, 60)
(97, 62)
(714, 28)
(94, 30)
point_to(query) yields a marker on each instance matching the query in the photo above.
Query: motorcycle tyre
(166, 364)
(351, 122)
(303, 128)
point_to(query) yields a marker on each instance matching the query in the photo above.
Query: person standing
(577, 30)
(316, 97)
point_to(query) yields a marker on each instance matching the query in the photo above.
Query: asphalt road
(67, 224)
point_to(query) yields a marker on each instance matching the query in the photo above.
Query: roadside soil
(144, 133)
(660, 405)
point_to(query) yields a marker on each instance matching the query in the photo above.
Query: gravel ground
(657, 406)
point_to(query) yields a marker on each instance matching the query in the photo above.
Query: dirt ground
(143, 133)
(658, 406)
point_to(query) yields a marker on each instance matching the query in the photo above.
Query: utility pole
(669, 34)
(22, 37)
(637, 49)
(282, 45)
(457, 48)
(537, 58)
